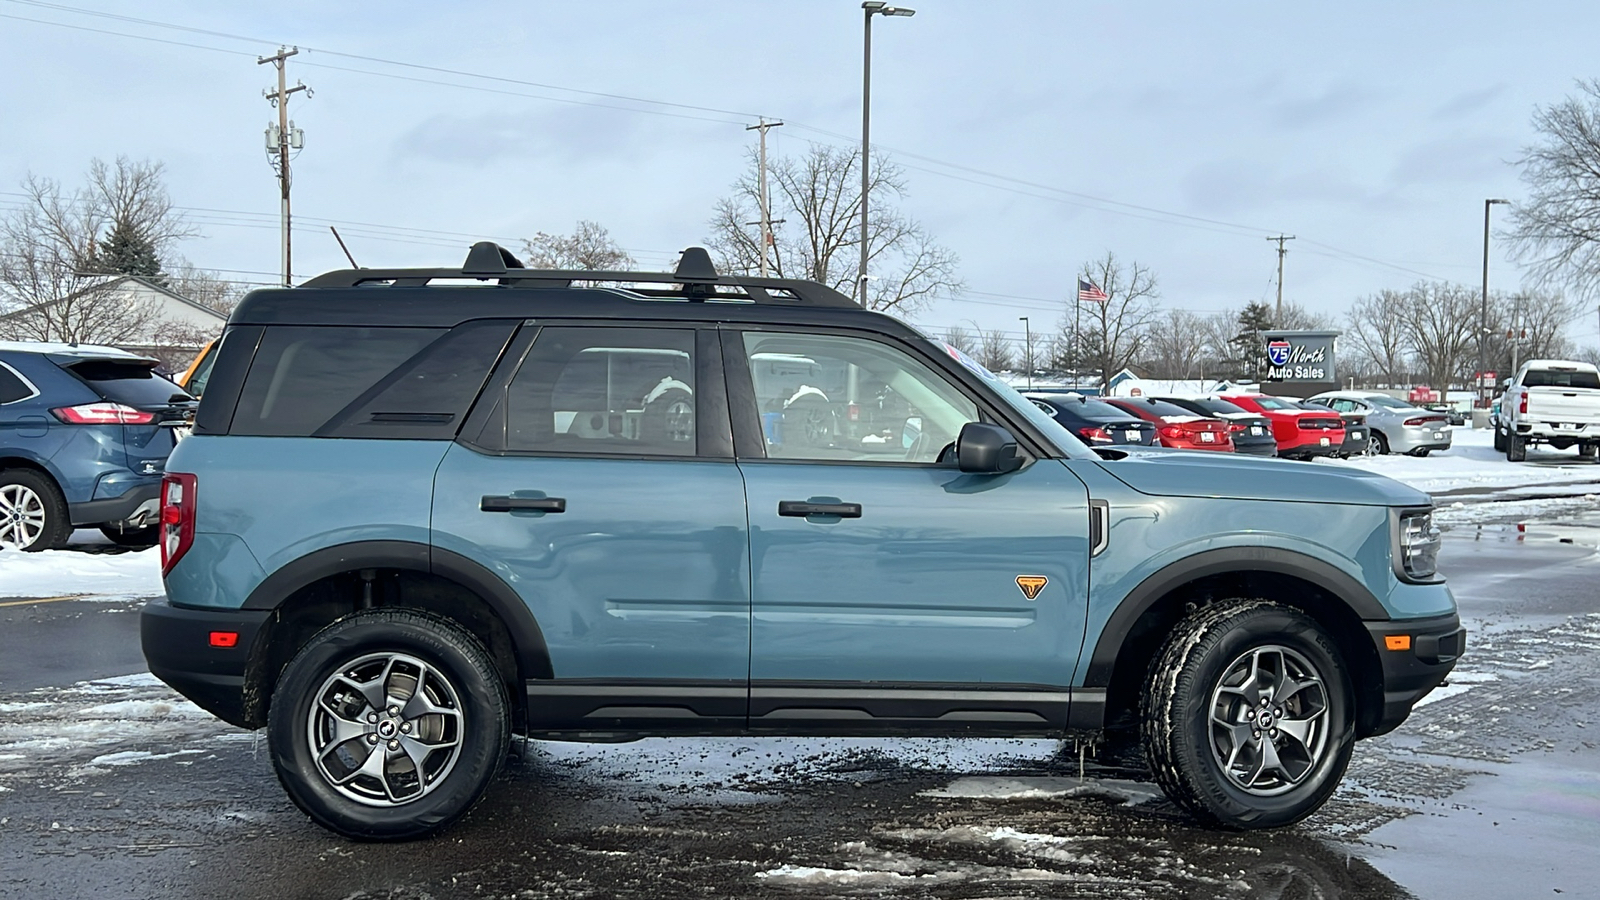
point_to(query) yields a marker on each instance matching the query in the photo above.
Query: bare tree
(1537, 323)
(995, 352)
(1297, 318)
(1442, 322)
(1173, 349)
(1377, 338)
(53, 248)
(1557, 229)
(589, 246)
(204, 287)
(1114, 330)
(961, 339)
(1214, 334)
(818, 198)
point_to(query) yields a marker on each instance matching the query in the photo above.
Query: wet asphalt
(110, 788)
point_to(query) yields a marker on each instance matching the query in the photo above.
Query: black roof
(493, 283)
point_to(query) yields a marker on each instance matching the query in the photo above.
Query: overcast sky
(1372, 131)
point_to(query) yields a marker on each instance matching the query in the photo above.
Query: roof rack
(695, 279)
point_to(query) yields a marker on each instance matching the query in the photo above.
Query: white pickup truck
(1550, 401)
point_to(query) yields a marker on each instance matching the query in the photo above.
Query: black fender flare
(1222, 561)
(527, 640)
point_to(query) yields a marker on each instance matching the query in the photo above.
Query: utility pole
(1027, 347)
(761, 185)
(281, 138)
(1278, 321)
(1483, 312)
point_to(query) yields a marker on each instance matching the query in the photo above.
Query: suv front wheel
(388, 724)
(1248, 719)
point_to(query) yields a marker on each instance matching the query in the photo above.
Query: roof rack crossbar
(695, 279)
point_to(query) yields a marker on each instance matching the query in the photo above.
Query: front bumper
(177, 647)
(1432, 647)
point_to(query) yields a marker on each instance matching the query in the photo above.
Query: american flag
(1088, 290)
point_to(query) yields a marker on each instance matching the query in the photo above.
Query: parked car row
(1340, 424)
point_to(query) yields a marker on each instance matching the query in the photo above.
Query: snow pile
(83, 568)
(96, 724)
(1472, 462)
(995, 787)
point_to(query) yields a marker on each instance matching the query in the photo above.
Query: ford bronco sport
(425, 509)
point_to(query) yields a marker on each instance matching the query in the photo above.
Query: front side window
(827, 397)
(624, 391)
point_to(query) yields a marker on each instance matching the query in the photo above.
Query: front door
(594, 492)
(890, 590)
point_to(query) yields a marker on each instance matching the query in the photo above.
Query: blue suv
(84, 436)
(425, 509)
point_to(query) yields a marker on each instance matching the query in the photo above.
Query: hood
(1180, 473)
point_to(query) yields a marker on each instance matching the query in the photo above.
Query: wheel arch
(1136, 631)
(13, 459)
(310, 593)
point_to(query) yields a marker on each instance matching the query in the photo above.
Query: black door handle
(527, 504)
(803, 508)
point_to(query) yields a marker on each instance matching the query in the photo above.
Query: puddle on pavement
(1508, 834)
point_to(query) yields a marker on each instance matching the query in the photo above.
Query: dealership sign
(1301, 356)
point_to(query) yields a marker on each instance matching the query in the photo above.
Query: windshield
(1053, 430)
(1216, 407)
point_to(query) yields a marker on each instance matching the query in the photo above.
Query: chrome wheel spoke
(1299, 730)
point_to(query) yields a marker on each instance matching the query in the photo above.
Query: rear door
(597, 479)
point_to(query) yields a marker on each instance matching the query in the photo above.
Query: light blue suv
(418, 515)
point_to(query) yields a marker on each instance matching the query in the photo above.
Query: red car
(1301, 433)
(1177, 427)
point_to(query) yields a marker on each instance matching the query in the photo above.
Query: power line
(1058, 194)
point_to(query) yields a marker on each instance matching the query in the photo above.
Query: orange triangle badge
(1031, 585)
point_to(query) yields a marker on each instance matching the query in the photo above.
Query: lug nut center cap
(386, 728)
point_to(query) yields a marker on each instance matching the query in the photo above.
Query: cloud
(565, 135)
(1466, 103)
(1237, 186)
(1334, 103)
(1460, 159)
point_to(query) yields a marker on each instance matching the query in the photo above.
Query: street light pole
(1483, 312)
(1027, 347)
(869, 8)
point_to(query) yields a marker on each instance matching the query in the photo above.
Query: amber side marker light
(231, 639)
(1393, 641)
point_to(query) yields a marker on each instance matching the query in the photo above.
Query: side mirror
(984, 449)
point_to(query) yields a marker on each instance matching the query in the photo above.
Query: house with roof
(131, 312)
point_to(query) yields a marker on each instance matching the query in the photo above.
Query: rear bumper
(118, 509)
(177, 647)
(1435, 644)
(1263, 446)
(1420, 438)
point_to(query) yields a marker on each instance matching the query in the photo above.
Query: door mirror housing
(984, 449)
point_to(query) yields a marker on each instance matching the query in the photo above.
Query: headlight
(1419, 544)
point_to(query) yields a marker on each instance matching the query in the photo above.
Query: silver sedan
(1396, 425)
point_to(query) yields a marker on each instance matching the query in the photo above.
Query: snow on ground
(1472, 462)
(90, 566)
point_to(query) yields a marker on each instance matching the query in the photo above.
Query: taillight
(1522, 405)
(1097, 435)
(1171, 431)
(1235, 426)
(103, 414)
(177, 517)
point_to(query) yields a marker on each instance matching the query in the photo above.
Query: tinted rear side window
(129, 382)
(304, 376)
(12, 388)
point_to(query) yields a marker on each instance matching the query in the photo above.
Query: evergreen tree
(126, 251)
(1248, 343)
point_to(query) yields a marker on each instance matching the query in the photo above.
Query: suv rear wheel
(1248, 720)
(33, 514)
(388, 724)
